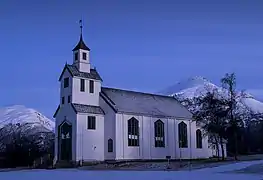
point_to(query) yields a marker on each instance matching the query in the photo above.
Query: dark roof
(144, 103)
(73, 70)
(81, 108)
(55, 114)
(81, 45)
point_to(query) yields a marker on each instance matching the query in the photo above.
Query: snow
(217, 173)
(254, 105)
(185, 84)
(230, 167)
(19, 114)
(199, 86)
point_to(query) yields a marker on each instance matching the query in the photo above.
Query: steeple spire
(81, 44)
(80, 23)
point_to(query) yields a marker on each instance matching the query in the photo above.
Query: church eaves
(83, 108)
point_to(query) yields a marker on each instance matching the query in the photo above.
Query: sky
(139, 45)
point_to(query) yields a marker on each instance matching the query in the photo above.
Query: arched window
(198, 139)
(110, 145)
(159, 134)
(182, 132)
(133, 132)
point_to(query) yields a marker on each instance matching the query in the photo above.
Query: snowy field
(217, 173)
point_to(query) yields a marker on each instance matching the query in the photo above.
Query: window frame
(63, 100)
(76, 56)
(91, 86)
(159, 134)
(82, 85)
(91, 125)
(84, 55)
(133, 132)
(182, 134)
(199, 143)
(110, 145)
(69, 99)
(66, 82)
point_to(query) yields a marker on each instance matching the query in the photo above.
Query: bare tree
(229, 83)
(209, 110)
(212, 114)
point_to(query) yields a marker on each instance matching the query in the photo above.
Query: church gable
(145, 104)
(64, 70)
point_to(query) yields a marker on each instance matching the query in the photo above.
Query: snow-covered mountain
(198, 86)
(29, 119)
(192, 87)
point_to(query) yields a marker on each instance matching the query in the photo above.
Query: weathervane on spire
(81, 26)
(81, 44)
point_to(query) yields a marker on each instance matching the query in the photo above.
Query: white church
(96, 123)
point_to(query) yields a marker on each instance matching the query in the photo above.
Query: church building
(96, 123)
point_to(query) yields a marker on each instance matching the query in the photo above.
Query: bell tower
(81, 58)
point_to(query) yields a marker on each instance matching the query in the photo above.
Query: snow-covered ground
(217, 173)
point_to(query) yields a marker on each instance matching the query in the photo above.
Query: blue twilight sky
(141, 44)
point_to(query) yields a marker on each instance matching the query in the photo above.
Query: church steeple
(81, 44)
(81, 54)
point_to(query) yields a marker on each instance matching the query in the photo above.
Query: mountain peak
(199, 86)
(20, 114)
(195, 81)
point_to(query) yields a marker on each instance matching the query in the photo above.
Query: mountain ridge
(21, 115)
(198, 86)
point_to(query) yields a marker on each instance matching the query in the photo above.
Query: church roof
(82, 108)
(81, 45)
(73, 70)
(131, 102)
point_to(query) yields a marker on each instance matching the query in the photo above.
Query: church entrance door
(65, 141)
